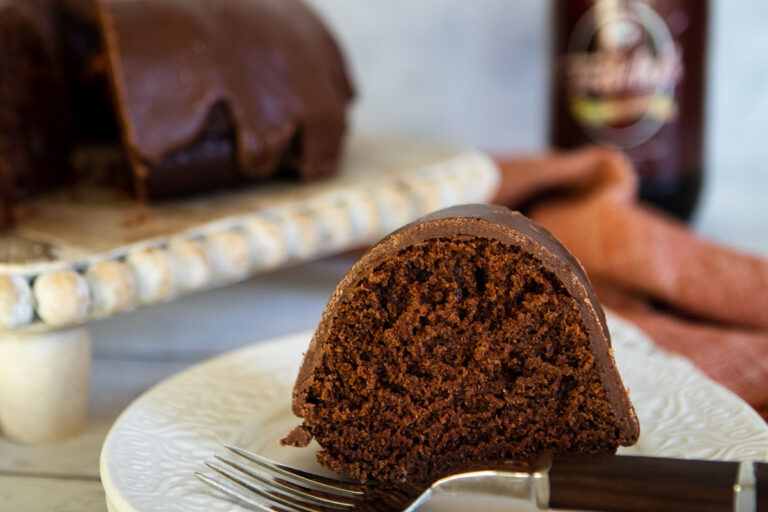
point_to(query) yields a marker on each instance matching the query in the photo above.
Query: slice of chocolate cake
(468, 337)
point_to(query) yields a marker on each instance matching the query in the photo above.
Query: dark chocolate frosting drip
(271, 64)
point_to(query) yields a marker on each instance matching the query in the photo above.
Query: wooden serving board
(84, 253)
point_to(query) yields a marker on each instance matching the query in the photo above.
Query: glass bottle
(630, 74)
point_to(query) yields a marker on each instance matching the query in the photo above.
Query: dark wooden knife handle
(626, 483)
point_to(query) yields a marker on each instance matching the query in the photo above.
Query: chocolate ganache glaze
(256, 85)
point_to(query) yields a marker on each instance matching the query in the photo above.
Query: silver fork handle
(627, 483)
(619, 484)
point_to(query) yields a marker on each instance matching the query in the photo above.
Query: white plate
(243, 398)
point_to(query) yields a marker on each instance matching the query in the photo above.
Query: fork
(568, 481)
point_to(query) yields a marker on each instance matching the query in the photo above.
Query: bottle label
(621, 70)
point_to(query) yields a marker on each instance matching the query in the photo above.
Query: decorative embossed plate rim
(243, 397)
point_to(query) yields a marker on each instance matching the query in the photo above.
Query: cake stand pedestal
(44, 380)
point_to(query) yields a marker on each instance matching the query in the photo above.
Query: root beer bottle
(629, 74)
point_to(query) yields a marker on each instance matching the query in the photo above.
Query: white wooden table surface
(134, 351)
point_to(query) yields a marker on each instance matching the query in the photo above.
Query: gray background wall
(477, 72)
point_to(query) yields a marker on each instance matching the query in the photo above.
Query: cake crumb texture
(453, 353)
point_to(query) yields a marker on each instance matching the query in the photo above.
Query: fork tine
(273, 497)
(235, 493)
(294, 492)
(320, 483)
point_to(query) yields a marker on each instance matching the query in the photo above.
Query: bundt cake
(468, 337)
(184, 95)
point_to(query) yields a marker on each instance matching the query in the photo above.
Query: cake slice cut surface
(467, 338)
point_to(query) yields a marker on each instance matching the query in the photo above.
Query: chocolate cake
(33, 121)
(189, 95)
(466, 338)
(254, 87)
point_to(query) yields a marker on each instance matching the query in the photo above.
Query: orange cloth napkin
(694, 297)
